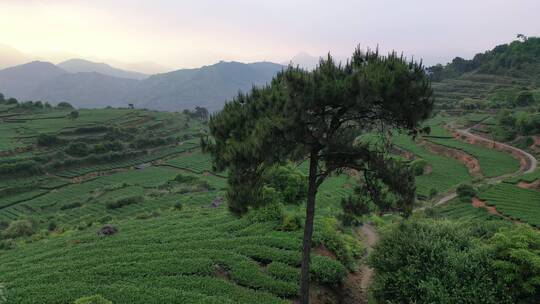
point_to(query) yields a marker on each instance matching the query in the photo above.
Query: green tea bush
(71, 206)
(465, 192)
(425, 261)
(78, 149)
(291, 222)
(47, 140)
(283, 272)
(124, 202)
(6, 244)
(346, 248)
(183, 178)
(271, 212)
(327, 271)
(418, 166)
(19, 228)
(97, 299)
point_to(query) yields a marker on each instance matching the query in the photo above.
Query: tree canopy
(317, 116)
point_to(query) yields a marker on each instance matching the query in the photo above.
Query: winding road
(531, 162)
(370, 234)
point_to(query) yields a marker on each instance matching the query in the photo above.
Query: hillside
(21, 81)
(123, 203)
(89, 85)
(142, 172)
(493, 78)
(86, 66)
(209, 86)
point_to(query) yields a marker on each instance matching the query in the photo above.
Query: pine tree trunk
(308, 229)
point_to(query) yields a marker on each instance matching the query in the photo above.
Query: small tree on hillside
(317, 116)
(74, 114)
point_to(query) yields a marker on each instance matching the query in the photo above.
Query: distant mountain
(20, 81)
(10, 57)
(304, 60)
(146, 67)
(209, 86)
(86, 66)
(85, 90)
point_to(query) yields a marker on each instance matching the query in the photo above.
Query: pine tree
(317, 116)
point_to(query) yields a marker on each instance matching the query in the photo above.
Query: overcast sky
(178, 33)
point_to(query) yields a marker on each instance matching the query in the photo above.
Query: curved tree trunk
(308, 229)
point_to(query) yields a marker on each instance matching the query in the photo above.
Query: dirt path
(530, 161)
(370, 238)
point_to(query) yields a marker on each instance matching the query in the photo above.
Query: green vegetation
(514, 202)
(492, 162)
(317, 115)
(419, 261)
(446, 173)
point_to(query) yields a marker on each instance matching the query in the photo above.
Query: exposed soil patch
(477, 203)
(352, 287)
(536, 140)
(403, 153)
(323, 251)
(91, 175)
(222, 273)
(533, 186)
(524, 162)
(470, 162)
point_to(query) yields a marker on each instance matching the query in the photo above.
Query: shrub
(3, 224)
(347, 249)
(291, 222)
(326, 270)
(418, 166)
(47, 140)
(19, 228)
(97, 299)
(185, 179)
(124, 202)
(178, 206)
(288, 182)
(517, 262)
(268, 213)
(65, 105)
(52, 226)
(524, 99)
(433, 192)
(71, 206)
(465, 192)
(433, 262)
(354, 207)
(104, 219)
(7, 244)
(78, 149)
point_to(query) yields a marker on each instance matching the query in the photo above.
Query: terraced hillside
(144, 173)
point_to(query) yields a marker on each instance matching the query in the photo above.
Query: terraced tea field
(514, 202)
(446, 173)
(492, 162)
(198, 255)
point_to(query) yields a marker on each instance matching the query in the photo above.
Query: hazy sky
(180, 33)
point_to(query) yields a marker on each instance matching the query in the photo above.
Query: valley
(134, 205)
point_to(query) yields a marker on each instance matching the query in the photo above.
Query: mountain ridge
(209, 86)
